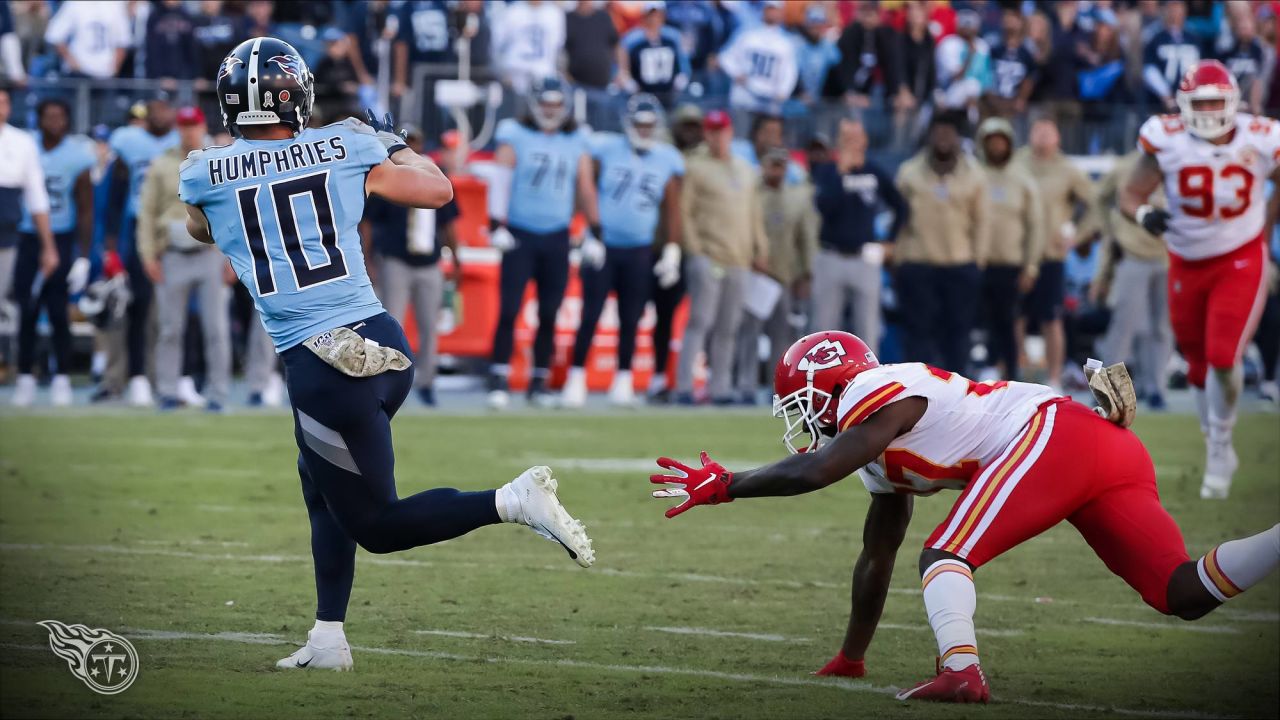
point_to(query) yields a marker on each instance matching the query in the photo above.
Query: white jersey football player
(1214, 163)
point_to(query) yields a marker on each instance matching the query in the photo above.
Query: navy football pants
(626, 272)
(343, 428)
(544, 258)
(52, 299)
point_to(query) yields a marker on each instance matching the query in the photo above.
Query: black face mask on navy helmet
(265, 81)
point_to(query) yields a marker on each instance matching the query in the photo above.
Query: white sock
(508, 505)
(1202, 409)
(950, 600)
(576, 375)
(327, 627)
(1236, 565)
(657, 382)
(1222, 390)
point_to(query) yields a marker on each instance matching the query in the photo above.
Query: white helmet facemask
(1209, 124)
(800, 411)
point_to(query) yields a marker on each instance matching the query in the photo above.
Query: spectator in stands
(1065, 197)
(470, 24)
(847, 270)
(260, 17)
(11, 64)
(816, 55)
(337, 84)
(724, 239)
(869, 59)
(171, 53)
(651, 59)
(216, 34)
(373, 26)
(964, 64)
(91, 38)
(704, 28)
(1056, 49)
(1169, 55)
(687, 136)
(135, 147)
(761, 62)
(407, 244)
(1013, 68)
(66, 163)
(919, 74)
(1101, 84)
(179, 265)
(1248, 60)
(423, 37)
(527, 42)
(1132, 280)
(791, 228)
(938, 252)
(591, 46)
(1015, 242)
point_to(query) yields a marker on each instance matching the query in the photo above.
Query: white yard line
(1188, 627)
(988, 632)
(223, 557)
(856, 686)
(481, 636)
(708, 632)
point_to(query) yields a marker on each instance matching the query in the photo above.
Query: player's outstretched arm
(405, 177)
(797, 474)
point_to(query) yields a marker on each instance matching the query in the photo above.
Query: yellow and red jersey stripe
(872, 402)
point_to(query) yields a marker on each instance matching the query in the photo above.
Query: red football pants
(1069, 464)
(1214, 306)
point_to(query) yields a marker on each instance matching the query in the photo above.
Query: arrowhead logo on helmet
(826, 354)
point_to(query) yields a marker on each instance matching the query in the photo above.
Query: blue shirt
(655, 64)
(62, 166)
(632, 185)
(136, 148)
(545, 178)
(815, 60)
(285, 213)
(848, 204)
(424, 27)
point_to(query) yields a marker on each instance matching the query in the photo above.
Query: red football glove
(843, 667)
(708, 485)
(111, 265)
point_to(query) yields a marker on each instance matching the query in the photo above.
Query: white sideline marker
(481, 636)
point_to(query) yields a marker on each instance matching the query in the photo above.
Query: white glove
(667, 269)
(593, 251)
(78, 275)
(501, 239)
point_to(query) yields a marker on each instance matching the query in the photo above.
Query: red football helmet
(808, 381)
(1208, 80)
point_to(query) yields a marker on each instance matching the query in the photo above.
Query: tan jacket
(791, 224)
(159, 209)
(949, 213)
(1017, 220)
(721, 210)
(1118, 230)
(1061, 185)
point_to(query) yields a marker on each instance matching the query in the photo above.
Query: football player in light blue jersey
(135, 147)
(282, 202)
(639, 177)
(543, 164)
(66, 161)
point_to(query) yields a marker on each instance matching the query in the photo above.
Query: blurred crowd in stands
(908, 162)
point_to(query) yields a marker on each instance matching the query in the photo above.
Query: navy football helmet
(265, 81)
(644, 121)
(549, 102)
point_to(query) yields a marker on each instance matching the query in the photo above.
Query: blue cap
(815, 15)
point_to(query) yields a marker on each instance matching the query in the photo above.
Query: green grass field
(187, 534)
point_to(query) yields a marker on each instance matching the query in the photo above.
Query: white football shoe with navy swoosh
(540, 509)
(322, 652)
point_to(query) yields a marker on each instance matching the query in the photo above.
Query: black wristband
(597, 231)
(396, 148)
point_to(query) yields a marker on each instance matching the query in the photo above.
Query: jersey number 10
(305, 274)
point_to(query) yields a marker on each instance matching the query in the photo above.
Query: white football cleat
(24, 391)
(498, 399)
(327, 652)
(1220, 464)
(622, 393)
(540, 509)
(188, 394)
(140, 391)
(60, 391)
(273, 393)
(574, 394)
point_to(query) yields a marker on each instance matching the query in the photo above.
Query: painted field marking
(857, 686)
(1234, 615)
(481, 636)
(708, 632)
(1189, 627)
(922, 627)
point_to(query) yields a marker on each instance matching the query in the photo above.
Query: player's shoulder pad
(1158, 132)
(873, 389)
(507, 130)
(192, 158)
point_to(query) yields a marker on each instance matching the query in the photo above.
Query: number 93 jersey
(285, 213)
(966, 427)
(1217, 193)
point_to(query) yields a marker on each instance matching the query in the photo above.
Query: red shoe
(957, 686)
(842, 666)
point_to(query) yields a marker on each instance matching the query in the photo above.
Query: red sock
(843, 667)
